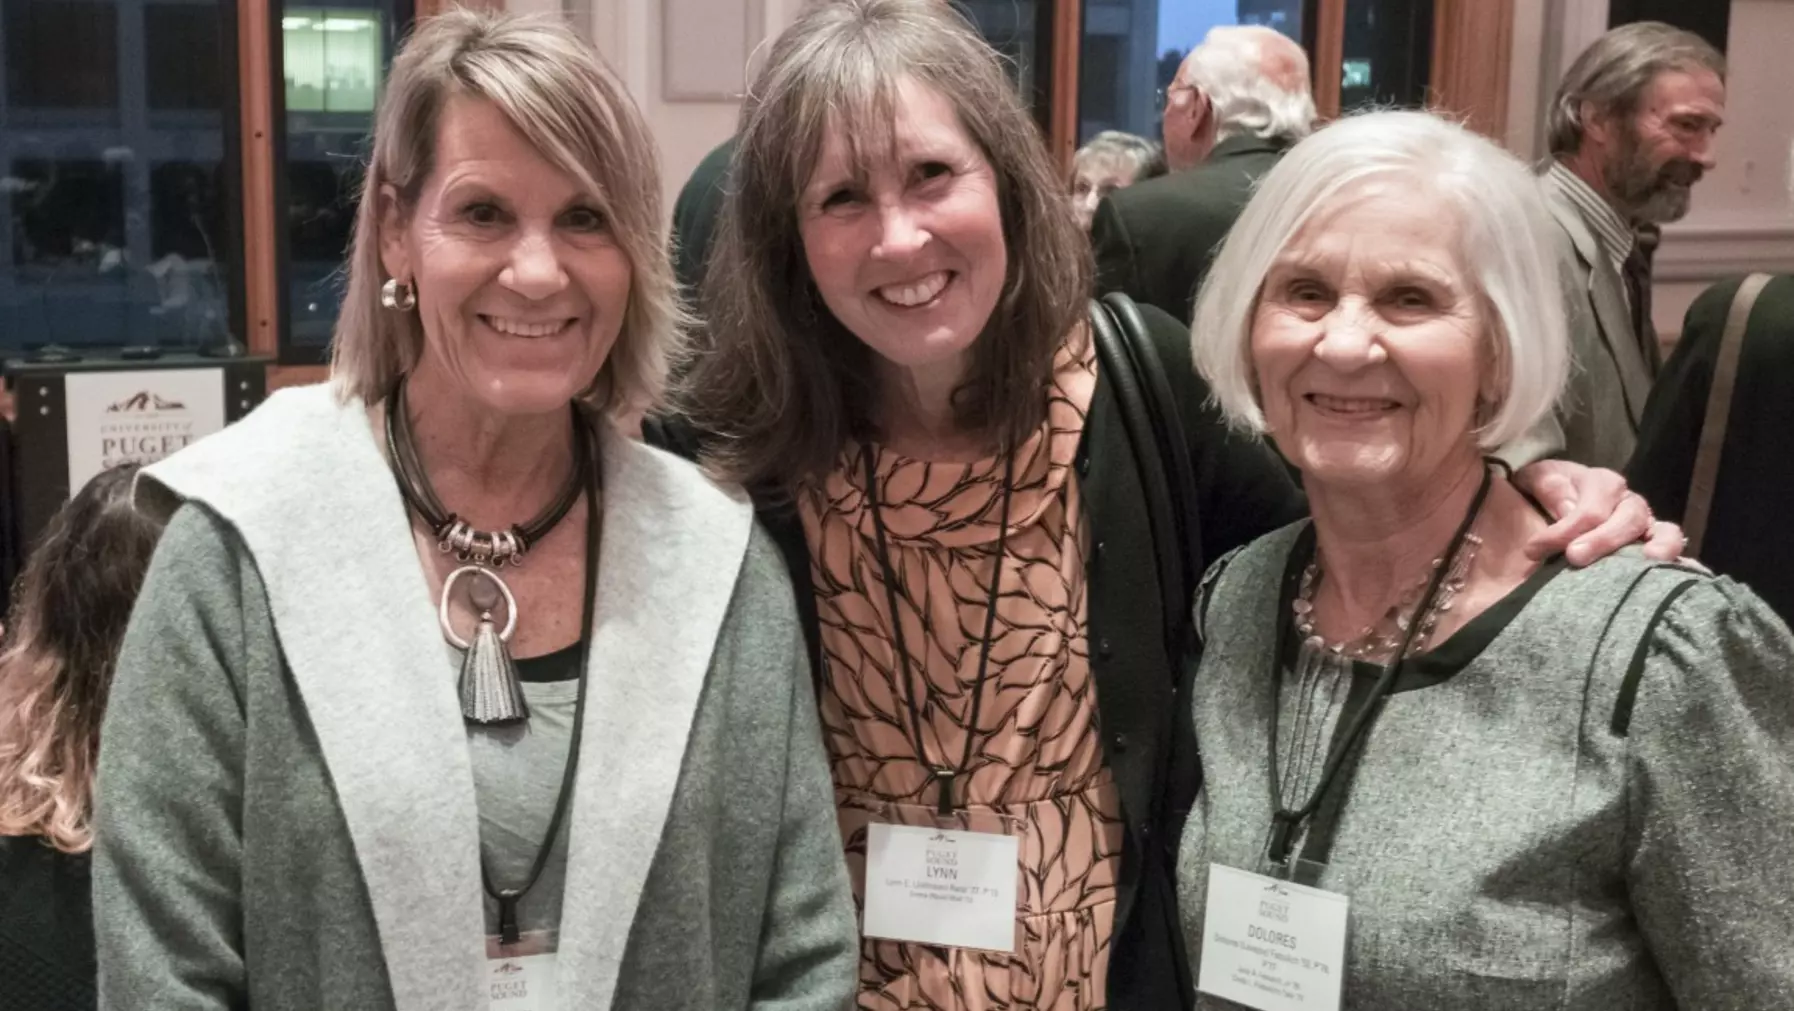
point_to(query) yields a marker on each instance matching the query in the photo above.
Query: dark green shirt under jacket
(1243, 490)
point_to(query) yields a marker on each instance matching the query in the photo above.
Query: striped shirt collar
(1612, 231)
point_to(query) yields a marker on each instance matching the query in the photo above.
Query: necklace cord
(414, 482)
(943, 774)
(509, 898)
(1285, 821)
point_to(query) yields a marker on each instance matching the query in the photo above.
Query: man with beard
(1631, 131)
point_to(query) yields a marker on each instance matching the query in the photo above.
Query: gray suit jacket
(1610, 380)
(286, 801)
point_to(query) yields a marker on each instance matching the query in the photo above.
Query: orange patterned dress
(1037, 768)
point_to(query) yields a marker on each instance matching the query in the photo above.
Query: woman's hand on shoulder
(1593, 514)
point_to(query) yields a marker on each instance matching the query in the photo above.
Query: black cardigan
(46, 928)
(1243, 490)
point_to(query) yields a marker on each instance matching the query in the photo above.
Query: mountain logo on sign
(143, 401)
(507, 969)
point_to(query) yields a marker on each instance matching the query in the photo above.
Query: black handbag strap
(1161, 457)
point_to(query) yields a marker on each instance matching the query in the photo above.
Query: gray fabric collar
(302, 482)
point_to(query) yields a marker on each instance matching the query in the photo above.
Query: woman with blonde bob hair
(1494, 776)
(68, 618)
(442, 691)
(902, 372)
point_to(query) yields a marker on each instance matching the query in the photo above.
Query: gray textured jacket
(285, 800)
(1523, 830)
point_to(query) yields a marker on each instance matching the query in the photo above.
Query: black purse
(1161, 458)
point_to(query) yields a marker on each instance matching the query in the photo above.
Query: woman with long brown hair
(68, 616)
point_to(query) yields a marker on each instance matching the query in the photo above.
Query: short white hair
(1505, 231)
(1256, 80)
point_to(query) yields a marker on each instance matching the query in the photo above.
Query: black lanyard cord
(508, 898)
(945, 775)
(1285, 822)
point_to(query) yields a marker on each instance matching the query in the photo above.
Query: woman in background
(68, 616)
(1114, 159)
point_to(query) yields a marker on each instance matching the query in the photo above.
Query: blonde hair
(559, 94)
(1506, 240)
(69, 612)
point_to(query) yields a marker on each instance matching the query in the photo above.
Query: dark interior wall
(1709, 19)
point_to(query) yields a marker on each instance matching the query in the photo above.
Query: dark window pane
(181, 42)
(1132, 48)
(1017, 29)
(117, 195)
(333, 62)
(67, 214)
(61, 54)
(1388, 53)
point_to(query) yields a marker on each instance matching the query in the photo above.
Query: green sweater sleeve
(1710, 799)
(169, 794)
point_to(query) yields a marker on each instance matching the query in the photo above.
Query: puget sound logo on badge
(507, 969)
(1273, 904)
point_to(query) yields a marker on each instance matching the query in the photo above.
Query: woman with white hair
(1112, 160)
(1438, 773)
(392, 729)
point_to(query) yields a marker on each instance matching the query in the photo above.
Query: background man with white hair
(1631, 131)
(1239, 100)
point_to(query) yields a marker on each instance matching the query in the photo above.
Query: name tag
(1272, 945)
(523, 980)
(941, 886)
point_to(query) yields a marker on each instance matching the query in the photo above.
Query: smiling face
(910, 257)
(1656, 156)
(1370, 345)
(521, 287)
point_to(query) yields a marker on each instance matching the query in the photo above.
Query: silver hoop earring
(398, 296)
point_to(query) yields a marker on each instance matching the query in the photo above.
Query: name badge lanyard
(1286, 822)
(944, 775)
(509, 898)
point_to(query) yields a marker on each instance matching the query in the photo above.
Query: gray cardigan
(1525, 831)
(285, 802)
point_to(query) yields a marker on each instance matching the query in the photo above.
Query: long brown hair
(69, 611)
(785, 385)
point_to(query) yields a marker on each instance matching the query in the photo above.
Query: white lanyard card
(521, 977)
(941, 886)
(1272, 945)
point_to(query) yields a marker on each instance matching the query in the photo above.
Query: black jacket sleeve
(1243, 489)
(1116, 268)
(1670, 433)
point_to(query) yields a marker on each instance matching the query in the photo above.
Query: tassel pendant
(490, 692)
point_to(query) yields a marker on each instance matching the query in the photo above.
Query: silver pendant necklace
(491, 692)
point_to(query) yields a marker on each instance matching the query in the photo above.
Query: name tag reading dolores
(1272, 945)
(941, 886)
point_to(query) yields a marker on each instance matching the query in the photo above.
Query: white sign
(1272, 945)
(940, 886)
(138, 417)
(523, 983)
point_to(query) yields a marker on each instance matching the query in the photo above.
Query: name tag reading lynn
(941, 886)
(1272, 945)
